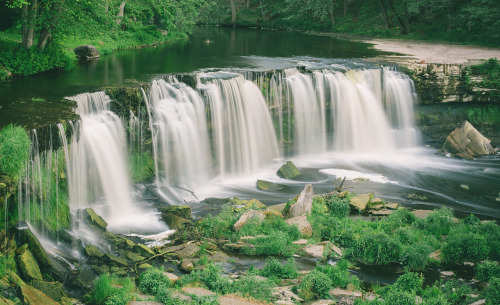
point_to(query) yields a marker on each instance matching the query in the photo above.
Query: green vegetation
(487, 270)
(490, 73)
(142, 167)
(41, 35)
(475, 21)
(274, 269)
(14, 149)
(111, 290)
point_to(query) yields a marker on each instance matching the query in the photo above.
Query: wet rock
(54, 290)
(237, 247)
(115, 260)
(134, 257)
(304, 202)
(447, 274)
(94, 220)
(189, 250)
(143, 250)
(187, 266)
(144, 266)
(288, 171)
(175, 222)
(257, 216)
(86, 52)
(93, 253)
(360, 202)
(303, 225)
(182, 211)
(267, 186)
(33, 296)
(466, 142)
(197, 291)
(28, 265)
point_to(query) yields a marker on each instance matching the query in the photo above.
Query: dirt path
(433, 52)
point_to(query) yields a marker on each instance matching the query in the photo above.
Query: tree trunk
(46, 31)
(400, 22)
(233, 11)
(384, 14)
(121, 12)
(44, 37)
(248, 4)
(29, 21)
(448, 16)
(331, 12)
(406, 20)
(346, 6)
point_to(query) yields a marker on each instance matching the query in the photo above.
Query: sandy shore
(433, 52)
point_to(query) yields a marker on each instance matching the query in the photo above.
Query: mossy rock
(93, 253)
(143, 250)
(174, 221)
(115, 260)
(94, 220)
(288, 171)
(133, 257)
(267, 186)
(253, 204)
(182, 211)
(27, 237)
(32, 296)
(28, 265)
(52, 289)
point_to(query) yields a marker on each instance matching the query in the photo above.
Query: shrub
(437, 223)
(153, 280)
(492, 294)
(212, 277)
(339, 207)
(277, 243)
(315, 285)
(399, 218)
(14, 149)
(102, 290)
(342, 232)
(416, 256)
(376, 249)
(399, 297)
(274, 268)
(6, 263)
(410, 282)
(487, 269)
(339, 274)
(469, 247)
(250, 286)
(455, 292)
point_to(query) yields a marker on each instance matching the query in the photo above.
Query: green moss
(14, 149)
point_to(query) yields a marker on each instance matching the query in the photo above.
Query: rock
(144, 303)
(93, 253)
(285, 295)
(28, 264)
(27, 237)
(33, 296)
(174, 222)
(382, 213)
(304, 202)
(267, 186)
(187, 266)
(189, 250)
(144, 266)
(272, 213)
(360, 202)
(238, 247)
(143, 250)
(86, 52)
(257, 216)
(182, 211)
(315, 251)
(232, 299)
(447, 274)
(392, 206)
(277, 207)
(288, 171)
(254, 204)
(337, 292)
(54, 290)
(115, 260)
(197, 291)
(301, 242)
(480, 302)
(5, 301)
(171, 276)
(304, 225)
(421, 213)
(335, 249)
(466, 142)
(323, 302)
(377, 201)
(134, 257)
(94, 220)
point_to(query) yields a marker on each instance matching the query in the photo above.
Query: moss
(28, 264)
(94, 220)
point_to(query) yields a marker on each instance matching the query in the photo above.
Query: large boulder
(304, 202)
(257, 216)
(303, 225)
(28, 264)
(466, 142)
(288, 171)
(86, 52)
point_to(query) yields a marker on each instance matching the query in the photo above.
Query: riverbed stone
(86, 52)
(360, 202)
(94, 220)
(257, 216)
(28, 265)
(277, 207)
(93, 253)
(467, 142)
(421, 213)
(288, 171)
(304, 203)
(267, 186)
(187, 266)
(303, 225)
(392, 206)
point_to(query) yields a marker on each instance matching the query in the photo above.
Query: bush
(486, 270)
(315, 285)
(416, 256)
(410, 282)
(400, 218)
(14, 149)
(339, 274)
(469, 247)
(250, 286)
(376, 249)
(399, 297)
(212, 278)
(274, 268)
(438, 222)
(456, 292)
(277, 243)
(492, 294)
(153, 281)
(102, 290)
(339, 207)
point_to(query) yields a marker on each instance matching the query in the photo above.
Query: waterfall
(243, 136)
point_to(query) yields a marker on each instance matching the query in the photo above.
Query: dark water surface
(239, 48)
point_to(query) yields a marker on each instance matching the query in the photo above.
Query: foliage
(251, 286)
(142, 167)
(14, 149)
(487, 270)
(339, 274)
(468, 247)
(105, 293)
(6, 263)
(315, 285)
(416, 256)
(399, 297)
(410, 282)
(212, 278)
(339, 207)
(493, 292)
(153, 281)
(376, 249)
(438, 222)
(274, 268)
(490, 71)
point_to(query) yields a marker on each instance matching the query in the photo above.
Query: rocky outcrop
(467, 142)
(86, 52)
(257, 216)
(304, 202)
(303, 225)
(288, 171)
